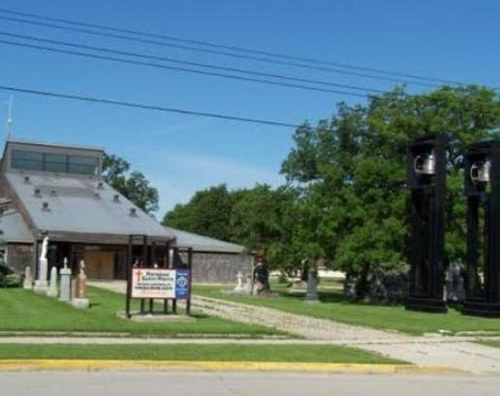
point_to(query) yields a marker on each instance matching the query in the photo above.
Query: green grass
(492, 343)
(189, 352)
(333, 307)
(22, 310)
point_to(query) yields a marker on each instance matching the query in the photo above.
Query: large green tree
(350, 172)
(133, 185)
(207, 213)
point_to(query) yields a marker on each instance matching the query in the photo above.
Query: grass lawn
(22, 310)
(492, 343)
(206, 352)
(381, 317)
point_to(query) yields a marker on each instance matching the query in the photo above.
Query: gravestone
(312, 286)
(41, 284)
(52, 291)
(28, 279)
(247, 286)
(80, 300)
(65, 273)
(455, 290)
(239, 286)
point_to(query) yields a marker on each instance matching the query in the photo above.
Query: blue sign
(182, 284)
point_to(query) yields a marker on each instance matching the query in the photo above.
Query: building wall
(20, 256)
(219, 267)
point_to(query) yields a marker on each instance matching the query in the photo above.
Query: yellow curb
(96, 365)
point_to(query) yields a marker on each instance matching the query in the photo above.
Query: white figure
(45, 247)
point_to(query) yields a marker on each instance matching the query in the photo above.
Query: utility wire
(145, 106)
(230, 54)
(227, 47)
(183, 62)
(182, 69)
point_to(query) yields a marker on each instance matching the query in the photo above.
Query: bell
(480, 173)
(425, 164)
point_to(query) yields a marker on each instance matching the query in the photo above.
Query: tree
(207, 213)
(133, 185)
(351, 176)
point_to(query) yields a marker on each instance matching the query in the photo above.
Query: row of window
(59, 163)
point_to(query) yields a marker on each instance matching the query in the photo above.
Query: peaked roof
(13, 228)
(66, 204)
(201, 243)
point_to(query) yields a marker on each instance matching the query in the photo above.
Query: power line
(183, 62)
(146, 106)
(183, 69)
(241, 56)
(231, 48)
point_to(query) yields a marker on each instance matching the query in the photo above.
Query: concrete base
(41, 287)
(27, 285)
(155, 317)
(80, 303)
(52, 293)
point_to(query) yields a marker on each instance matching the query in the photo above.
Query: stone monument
(52, 291)
(239, 286)
(65, 273)
(28, 279)
(41, 284)
(242, 288)
(80, 300)
(312, 285)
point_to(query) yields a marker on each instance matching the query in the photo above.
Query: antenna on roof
(8, 125)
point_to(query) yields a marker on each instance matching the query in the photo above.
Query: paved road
(187, 383)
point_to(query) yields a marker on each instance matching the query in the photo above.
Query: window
(55, 162)
(27, 160)
(58, 163)
(82, 165)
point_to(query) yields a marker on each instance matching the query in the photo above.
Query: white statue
(45, 246)
(82, 267)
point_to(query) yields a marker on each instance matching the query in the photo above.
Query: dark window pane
(82, 165)
(55, 162)
(27, 160)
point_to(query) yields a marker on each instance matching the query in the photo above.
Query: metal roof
(78, 205)
(14, 228)
(201, 243)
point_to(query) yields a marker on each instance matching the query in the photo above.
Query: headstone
(41, 284)
(312, 285)
(80, 300)
(28, 279)
(52, 291)
(247, 286)
(65, 273)
(455, 290)
(239, 286)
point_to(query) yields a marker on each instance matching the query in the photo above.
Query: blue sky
(455, 40)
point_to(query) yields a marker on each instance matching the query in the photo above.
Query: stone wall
(219, 267)
(20, 256)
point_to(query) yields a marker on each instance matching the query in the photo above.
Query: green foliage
(207, 213)
(345, 197)
(256, 218)
(351, 173)
(133, 185)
